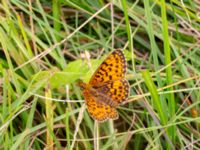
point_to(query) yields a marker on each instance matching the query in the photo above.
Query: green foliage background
(46, 46)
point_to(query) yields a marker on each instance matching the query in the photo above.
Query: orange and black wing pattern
(112, 68)
(116, 91)
(97, 110)
(107, 87)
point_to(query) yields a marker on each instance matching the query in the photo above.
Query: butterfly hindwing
(99, 110)
(113, 92)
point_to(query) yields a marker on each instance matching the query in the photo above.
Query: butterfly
(107, 87)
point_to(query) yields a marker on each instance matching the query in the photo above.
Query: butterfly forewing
(113, 68)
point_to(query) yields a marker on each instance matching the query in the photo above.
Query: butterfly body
(107, 88)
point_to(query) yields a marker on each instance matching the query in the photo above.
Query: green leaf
(74, 70)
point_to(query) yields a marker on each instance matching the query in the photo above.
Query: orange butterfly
(107, 88)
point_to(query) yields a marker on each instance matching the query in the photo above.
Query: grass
(46, 47)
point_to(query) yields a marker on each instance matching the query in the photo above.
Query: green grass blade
(167, 53)
(129, 32)
(156, 99)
